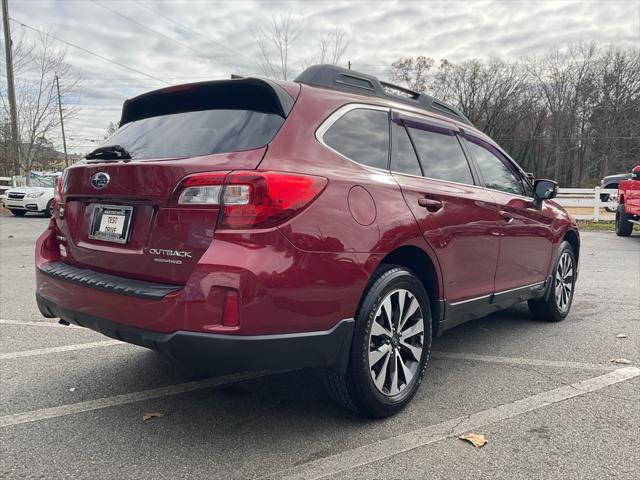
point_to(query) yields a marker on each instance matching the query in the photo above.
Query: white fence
(584, 198)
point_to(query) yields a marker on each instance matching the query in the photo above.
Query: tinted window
(496, 174)
(362, 136)
(190, 134)
(406, 160)
(441, 155)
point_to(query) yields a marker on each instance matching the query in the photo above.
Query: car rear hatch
(120, 213)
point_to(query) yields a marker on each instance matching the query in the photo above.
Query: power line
(142, 25)
(186, 27)
(139, 72)
(588, 137)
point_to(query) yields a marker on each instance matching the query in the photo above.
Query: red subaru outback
(336, 221)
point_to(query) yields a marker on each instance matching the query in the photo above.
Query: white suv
(38, 197)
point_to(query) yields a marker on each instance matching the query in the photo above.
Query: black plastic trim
(337, 78)
(461, 312)
(259, 94)
(107, 282)
(215, 353)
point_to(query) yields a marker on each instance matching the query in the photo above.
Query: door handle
(430, 204)
(506, 216)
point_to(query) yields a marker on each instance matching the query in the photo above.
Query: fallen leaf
(621, 361)
(72, 389)
(475, 439)
(149, 416)
(621, 335)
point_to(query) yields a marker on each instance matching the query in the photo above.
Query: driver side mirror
(544, 190)
(635, 173)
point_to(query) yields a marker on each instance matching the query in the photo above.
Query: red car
(336, 221)
(628, 213)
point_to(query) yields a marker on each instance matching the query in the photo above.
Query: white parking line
(389, 447)
(43, 323)
(436, 354)
(63, 348)
(520, 361)
(63, 410)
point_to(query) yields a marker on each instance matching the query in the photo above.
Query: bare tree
(412, 72)
(572, 114)
(36, 64)
(332, 47)
(113, 126)
(274, 45)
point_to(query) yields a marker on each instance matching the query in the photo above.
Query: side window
(496, 174)
(441, 155)
(405, 159)
(361, 135)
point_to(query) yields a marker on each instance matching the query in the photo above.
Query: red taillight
(251, 199)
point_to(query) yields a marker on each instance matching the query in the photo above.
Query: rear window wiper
(110, 152)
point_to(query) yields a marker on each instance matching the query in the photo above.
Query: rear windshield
(190, 134)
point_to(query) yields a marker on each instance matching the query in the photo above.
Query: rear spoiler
(246, 93)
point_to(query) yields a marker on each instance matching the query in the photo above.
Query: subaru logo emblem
(100, 180)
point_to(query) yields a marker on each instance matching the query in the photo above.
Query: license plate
(111, 223)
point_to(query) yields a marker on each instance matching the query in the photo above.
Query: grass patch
(589, 226)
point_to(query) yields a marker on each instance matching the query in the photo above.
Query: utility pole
(10, 87)
(64, 140)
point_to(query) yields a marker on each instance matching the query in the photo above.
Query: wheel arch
(574, 240)
(426, 269)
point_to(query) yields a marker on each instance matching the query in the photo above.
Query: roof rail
(338, 78)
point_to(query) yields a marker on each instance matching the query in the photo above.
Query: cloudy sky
(182, 41)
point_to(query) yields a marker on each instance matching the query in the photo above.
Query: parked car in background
(36, 198)
(611, 182)
(628, 213)
(336, 221)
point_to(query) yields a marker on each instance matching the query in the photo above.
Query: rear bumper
(222, 354)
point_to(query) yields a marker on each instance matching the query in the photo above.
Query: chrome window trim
(509, 193)
(423, 177)
(339, 113)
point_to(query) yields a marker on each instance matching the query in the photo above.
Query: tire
(556, 303)
(374, 351)
(623, 226)
(48, 212)
(18, 213)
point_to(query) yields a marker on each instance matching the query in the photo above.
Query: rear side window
(362, 135)
(406, 160)
(441, 155)
(497, 175)
(190, 134)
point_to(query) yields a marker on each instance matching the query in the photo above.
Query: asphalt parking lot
(546, 396)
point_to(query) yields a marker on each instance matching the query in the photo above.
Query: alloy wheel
(396, 342)
(564, 282)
